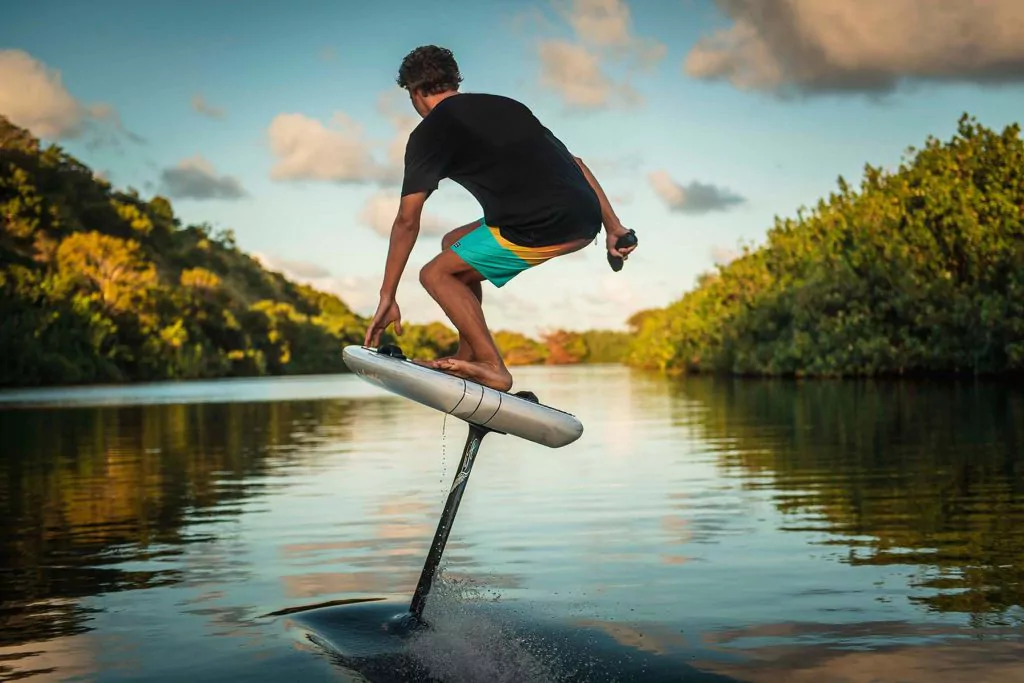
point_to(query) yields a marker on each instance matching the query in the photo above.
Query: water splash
(467, 643)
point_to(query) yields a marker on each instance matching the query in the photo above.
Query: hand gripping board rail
(497, 411)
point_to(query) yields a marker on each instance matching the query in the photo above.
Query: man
(539, 202)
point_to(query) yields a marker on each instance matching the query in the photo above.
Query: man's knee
(432, 273)
(428, 275)
(447, 265)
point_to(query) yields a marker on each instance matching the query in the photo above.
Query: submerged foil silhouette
(473, 636)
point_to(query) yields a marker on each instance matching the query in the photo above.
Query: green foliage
(604, 346)
(921, 271)
(563, 347)
(518, 349)
(98, 285)
(102, 286)
(427, 342)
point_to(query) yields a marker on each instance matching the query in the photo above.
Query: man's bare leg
(465, 351)
(447, 278)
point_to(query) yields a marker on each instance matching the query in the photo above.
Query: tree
(921, 271)
(114, 268)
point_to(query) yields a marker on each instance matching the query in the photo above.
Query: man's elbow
(405, 224)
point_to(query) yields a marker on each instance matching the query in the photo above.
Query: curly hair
(430, 70)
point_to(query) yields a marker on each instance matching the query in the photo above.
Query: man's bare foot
(466, 357)
(436, 361)
(483, 373)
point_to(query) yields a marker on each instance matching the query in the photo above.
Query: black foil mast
(414, 617)
(444, 526)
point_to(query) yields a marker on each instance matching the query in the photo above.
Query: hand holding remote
(628, 240)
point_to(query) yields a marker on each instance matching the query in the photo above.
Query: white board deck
(479, 405)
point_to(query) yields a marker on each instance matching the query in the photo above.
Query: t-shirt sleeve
(557, 143)
(427, 156)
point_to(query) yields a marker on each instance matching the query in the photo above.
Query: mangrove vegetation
(920, 271)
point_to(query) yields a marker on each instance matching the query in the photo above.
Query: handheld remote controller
(627, 240)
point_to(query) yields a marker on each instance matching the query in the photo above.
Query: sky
(703, 119)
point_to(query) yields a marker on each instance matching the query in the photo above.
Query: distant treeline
(100, 285)
(921, 271)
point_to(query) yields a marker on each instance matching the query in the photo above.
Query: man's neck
(434, 100)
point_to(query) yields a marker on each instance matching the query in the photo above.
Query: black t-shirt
(527, 182)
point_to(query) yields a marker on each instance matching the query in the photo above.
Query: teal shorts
(499, 260)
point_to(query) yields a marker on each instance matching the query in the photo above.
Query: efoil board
(477, 404)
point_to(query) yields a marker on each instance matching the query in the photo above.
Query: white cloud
(601, 22)
(504, 309)
(341, 152)
(609, 24)
(694, 198)
(611, 290)
(34, 97)
(510, 309)
(390, 106)
(625, 163)
(576, 70)
(100, 112)
(575, 74)
(532, 308)
(379, 211)
(294, 269)
(527, 306)
(723, 256)
(203, 107)
(362, 293)
(868, 46)
(196, 178)
(306, 149)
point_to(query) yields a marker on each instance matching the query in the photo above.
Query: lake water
(704, 530)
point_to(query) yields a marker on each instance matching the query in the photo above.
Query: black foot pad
(528, 395)
(392, 350)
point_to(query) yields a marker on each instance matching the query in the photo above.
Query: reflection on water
(929, 478)
(699, 530)
(100, 500)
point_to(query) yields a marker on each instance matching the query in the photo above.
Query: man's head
(430, 74)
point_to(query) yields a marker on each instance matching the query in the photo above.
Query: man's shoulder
(495, 97)
(482, 101)
(467, 111)
(428, 126)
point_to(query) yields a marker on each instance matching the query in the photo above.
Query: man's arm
(404, 232)
(612, 224)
